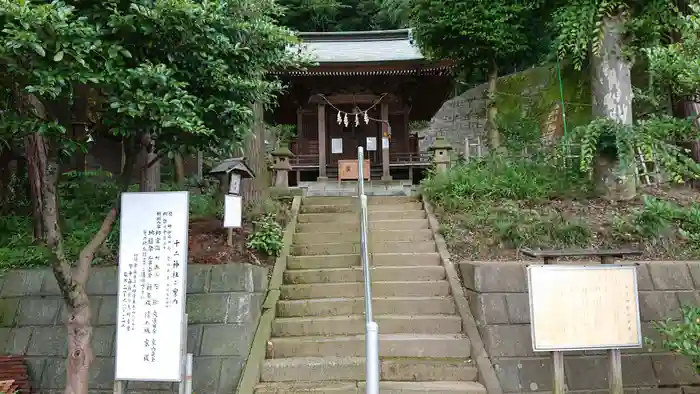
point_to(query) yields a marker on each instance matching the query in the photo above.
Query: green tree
(606, 36)
(334, 15)
(170, 76)
(484, 37)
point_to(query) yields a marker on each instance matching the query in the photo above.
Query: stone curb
(487, 374)
(251, 371)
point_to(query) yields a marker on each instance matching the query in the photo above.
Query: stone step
(356, 306)
(353, 260)
(359, 388)
(353, 216)
(428, 388)
(354, 207)
(438, 288)
(354, 225)
(308, 387)
(355, 324)
(354, 248)
(390, 345)
(375, 236)
(340, 200)
(319, 369)
(355, 274)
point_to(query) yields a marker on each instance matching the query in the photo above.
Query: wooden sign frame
(544, 305)
(349, 170)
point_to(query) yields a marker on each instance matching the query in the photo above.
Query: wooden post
(466, 149)
(614, 355)
(385, 134)
(301, 142)
(322, 143)
(615, 375)
(559, 377)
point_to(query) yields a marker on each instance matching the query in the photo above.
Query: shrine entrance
(365, 96)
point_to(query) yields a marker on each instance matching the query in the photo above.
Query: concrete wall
(499, 301)
(223, 302)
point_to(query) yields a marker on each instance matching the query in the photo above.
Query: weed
(681, 337)
(491, 207)
(266, 237)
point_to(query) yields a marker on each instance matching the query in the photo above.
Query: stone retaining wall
(499, 301)
(223, 303)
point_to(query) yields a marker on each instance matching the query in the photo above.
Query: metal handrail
(371, 328)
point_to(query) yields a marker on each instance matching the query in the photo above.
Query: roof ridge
(366, 35)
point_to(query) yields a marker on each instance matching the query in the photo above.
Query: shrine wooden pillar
(301, 141)
(322, 143)
(386, 176)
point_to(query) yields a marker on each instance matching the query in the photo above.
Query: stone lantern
(282, 166)
(441, 156)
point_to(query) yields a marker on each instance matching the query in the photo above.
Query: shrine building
(364, 90)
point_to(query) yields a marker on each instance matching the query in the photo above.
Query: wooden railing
(307, 161)
(409, 159)
(403, 159)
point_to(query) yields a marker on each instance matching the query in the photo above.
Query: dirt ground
(207, 242)
(476, 242)
(207, 245)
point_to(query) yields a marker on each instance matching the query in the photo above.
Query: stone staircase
(317, 343)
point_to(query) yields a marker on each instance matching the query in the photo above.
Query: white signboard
(336, 145)
(371, 144)
(234, 186)
(385, 143)
(233, 211)
(152, 276)
(584, 307)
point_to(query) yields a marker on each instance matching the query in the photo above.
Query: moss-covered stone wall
(525, 97)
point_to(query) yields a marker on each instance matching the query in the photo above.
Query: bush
(682, 337)
(85, 197)
(505, 202)
(266, 237)
(498, 177)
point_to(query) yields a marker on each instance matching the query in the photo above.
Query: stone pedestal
(441, 154)
(282, 166)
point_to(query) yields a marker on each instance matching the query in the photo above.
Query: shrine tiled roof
(360, 46)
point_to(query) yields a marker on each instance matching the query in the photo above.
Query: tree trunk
(179, 170)
(149, 165)
(44, 167)
(611, 86)
(7, 157)
(35, 150)
(493, 136)
(79, 126)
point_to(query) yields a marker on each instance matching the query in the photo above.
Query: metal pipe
(360, 171)
(372, 362)
(188, 373)
(365, 259)
(371, 328)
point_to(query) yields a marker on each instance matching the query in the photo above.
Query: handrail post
(371, 327)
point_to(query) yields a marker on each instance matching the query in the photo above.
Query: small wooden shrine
(364, 90)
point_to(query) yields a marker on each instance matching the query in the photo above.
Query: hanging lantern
(339, 119)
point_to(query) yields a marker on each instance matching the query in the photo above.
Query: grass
(491, 207)
(84, 199)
